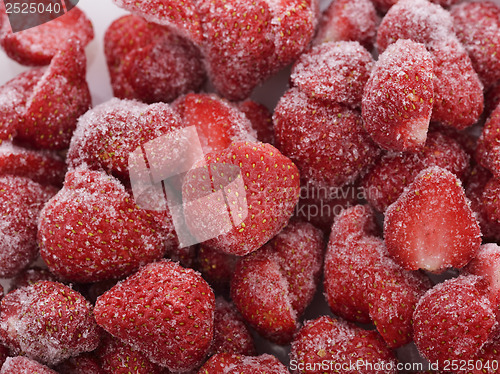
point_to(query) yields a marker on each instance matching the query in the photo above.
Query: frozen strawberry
(58, 99)
(384, 5)
(393, 172)
(38, 45)
(216, 267)
(320, 206)
(231, 335)
(350, 20)
(107, 134)
(477, 26)
(164, 311)
(490, 200)
(179, 15)
(458, 92)
(31, 276)
(486, 358)
(13, 97)
(246, 43)
(42, 167)
(23, 365)
(474, 189)
(218, 123)
(261, 187)
(85, 363)
(431, 226)
(288, 269)
(186, 256)
(261, 119)
(452, 321)
(491, 99)
(21, 201)
(339, 345)
(488, 151)
(225, 363)
(397, 100)
(92, 230)
(117, 357)
(326, 141)
(335, 72)
(418, 20)
(48, 322)
(149, 63)
(363, 283)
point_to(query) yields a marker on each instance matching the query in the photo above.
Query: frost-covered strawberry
(477, 26)
(326, 140)
(218, 123)
(216, 267)
(334, 72)
(247, 42)
(149, 62)
(48, 322)
(453, 320)
(92, 230)
(237, 199)
(38, 45)
(350, 20)
(387, 179)
(225, 363)
(23, 365)
(169, 314)
(31, 276)
(261, 119)
(85, 363)
(490, 200)
(334, 342)
(279, 281)
(363, 283)
(431, 226)
(60, 96)
(488, 151)
(231, 335)
(21, 201)
(398, 97)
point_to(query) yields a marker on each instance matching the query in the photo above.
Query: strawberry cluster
(353, 225)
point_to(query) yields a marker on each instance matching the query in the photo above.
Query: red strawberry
(47, 321)
(38, 45)
(225, 363)
(168, 314)
(326, 141)
(397, 100)
(231, 335)
(31, 276)
(488, 151)
(384, 5)
(337, 344)
(335, 72)
(395, 171)
(486, 358)
(247, 42)
(261, 187)
(272, 287)
(23, 365)
(350, 20)
(92, 230)
(58, 99)
(13, 97)
(431, 226)
(490, 200)
(216, 267)
(21, 201)
(82, 364)
(182, 16)
(117, 357)
(42, 167)
(149, 63)
(478, 28)
(218, 123)
(492, 99)
(107, 134)
(261, 119)
(363, 283)
(452, 321)
(186, 256)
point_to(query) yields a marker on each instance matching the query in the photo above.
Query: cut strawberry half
(431, 226)
(38, 45)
